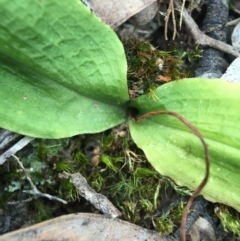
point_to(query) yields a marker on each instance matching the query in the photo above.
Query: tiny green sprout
(171, 218)
(46, 148)
(108, 161)
(130, 211)
(124, 187)
(152, 94)
(147, 205)
(42, 151)
(163, 224)
(144, 172)
(156, 195)
(43, 212)
(80, 160)
(176, 213)
(68, 191)
(62, 166)
(228, 221)
(192, 55)
(98, 182)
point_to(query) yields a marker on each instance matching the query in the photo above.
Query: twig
(6, 137)
(34, 190)
(21, 201)
(180, 22)
(174, 22)
(201, 38)
(17, 147)
(222, 26)
(169, 11)
(98, 200)
(233, 22)
(236, 10)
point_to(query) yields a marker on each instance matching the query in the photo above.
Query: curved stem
(206, 154)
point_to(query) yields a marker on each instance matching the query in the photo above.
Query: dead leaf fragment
(146, 15)
(164, 78)
(202, 230)
(84, 227)
(116, 12)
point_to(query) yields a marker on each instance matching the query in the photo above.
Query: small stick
(6, 137)
(201, 38)
(17, 147)
(98, 200)
(34, 190)
(174, 22)
(169, 11)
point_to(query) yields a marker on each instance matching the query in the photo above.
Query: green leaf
(213, 107)
(62, 71)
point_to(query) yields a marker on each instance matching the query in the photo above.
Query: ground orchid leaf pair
(63, 73)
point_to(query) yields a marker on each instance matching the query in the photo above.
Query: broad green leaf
(62, 71)
(213, 107)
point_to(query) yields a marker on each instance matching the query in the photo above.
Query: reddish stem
(206, 154)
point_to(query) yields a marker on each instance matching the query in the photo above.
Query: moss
(166, 223)
(149, 67)
(41, 210)
(122, 174)
(163, 224)
(229, 219)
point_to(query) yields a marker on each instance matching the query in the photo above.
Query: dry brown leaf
(202, 230)
(164, 78)
(116, 12)
(146, 15)
(84, 227)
